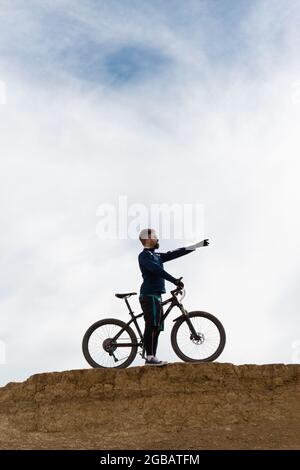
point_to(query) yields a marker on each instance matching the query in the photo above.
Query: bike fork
(191, 326)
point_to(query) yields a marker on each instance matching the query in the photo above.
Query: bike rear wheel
(210, 340)
(101, 349)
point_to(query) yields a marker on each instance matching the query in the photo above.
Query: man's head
(148, 238)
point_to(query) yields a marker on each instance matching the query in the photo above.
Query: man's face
(153, 242)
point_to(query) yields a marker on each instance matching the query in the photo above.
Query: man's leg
(159, 321)
(149, 339)
(155, 341)
(153, 311)
(147, 307)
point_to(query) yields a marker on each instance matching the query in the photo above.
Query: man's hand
(204, 242)
(179, 283)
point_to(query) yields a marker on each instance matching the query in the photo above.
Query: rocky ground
(179, 406)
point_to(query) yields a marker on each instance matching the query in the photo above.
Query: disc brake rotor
(199, 340)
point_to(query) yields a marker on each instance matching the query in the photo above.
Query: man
(154, 275)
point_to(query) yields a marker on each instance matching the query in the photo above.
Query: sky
(194, 102)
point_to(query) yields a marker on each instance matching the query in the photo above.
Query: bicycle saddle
(122, 296)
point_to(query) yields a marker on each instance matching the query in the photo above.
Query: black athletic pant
(153, 312)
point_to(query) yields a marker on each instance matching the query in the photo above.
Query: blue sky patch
(134, 63)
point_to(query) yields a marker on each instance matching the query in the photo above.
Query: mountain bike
(195, 337)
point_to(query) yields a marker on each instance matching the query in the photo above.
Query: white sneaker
(154, 361)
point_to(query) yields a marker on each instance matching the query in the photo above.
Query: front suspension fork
(187, 319)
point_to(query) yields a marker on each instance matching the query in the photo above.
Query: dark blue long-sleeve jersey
(154, 275)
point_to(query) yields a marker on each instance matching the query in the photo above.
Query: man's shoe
(155, 362)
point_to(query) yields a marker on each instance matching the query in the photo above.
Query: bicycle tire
(199, 314)
(106, 322)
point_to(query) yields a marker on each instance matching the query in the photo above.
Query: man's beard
(156, 246)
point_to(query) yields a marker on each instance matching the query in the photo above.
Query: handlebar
(178, 291)
(175, 291)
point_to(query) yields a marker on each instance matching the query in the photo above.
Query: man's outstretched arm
(169, 255)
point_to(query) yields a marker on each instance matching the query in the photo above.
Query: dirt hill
(179, 406)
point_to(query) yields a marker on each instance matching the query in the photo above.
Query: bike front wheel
(208, 343)
(109, 343)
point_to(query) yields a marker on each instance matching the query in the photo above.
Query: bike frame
(173, 301)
